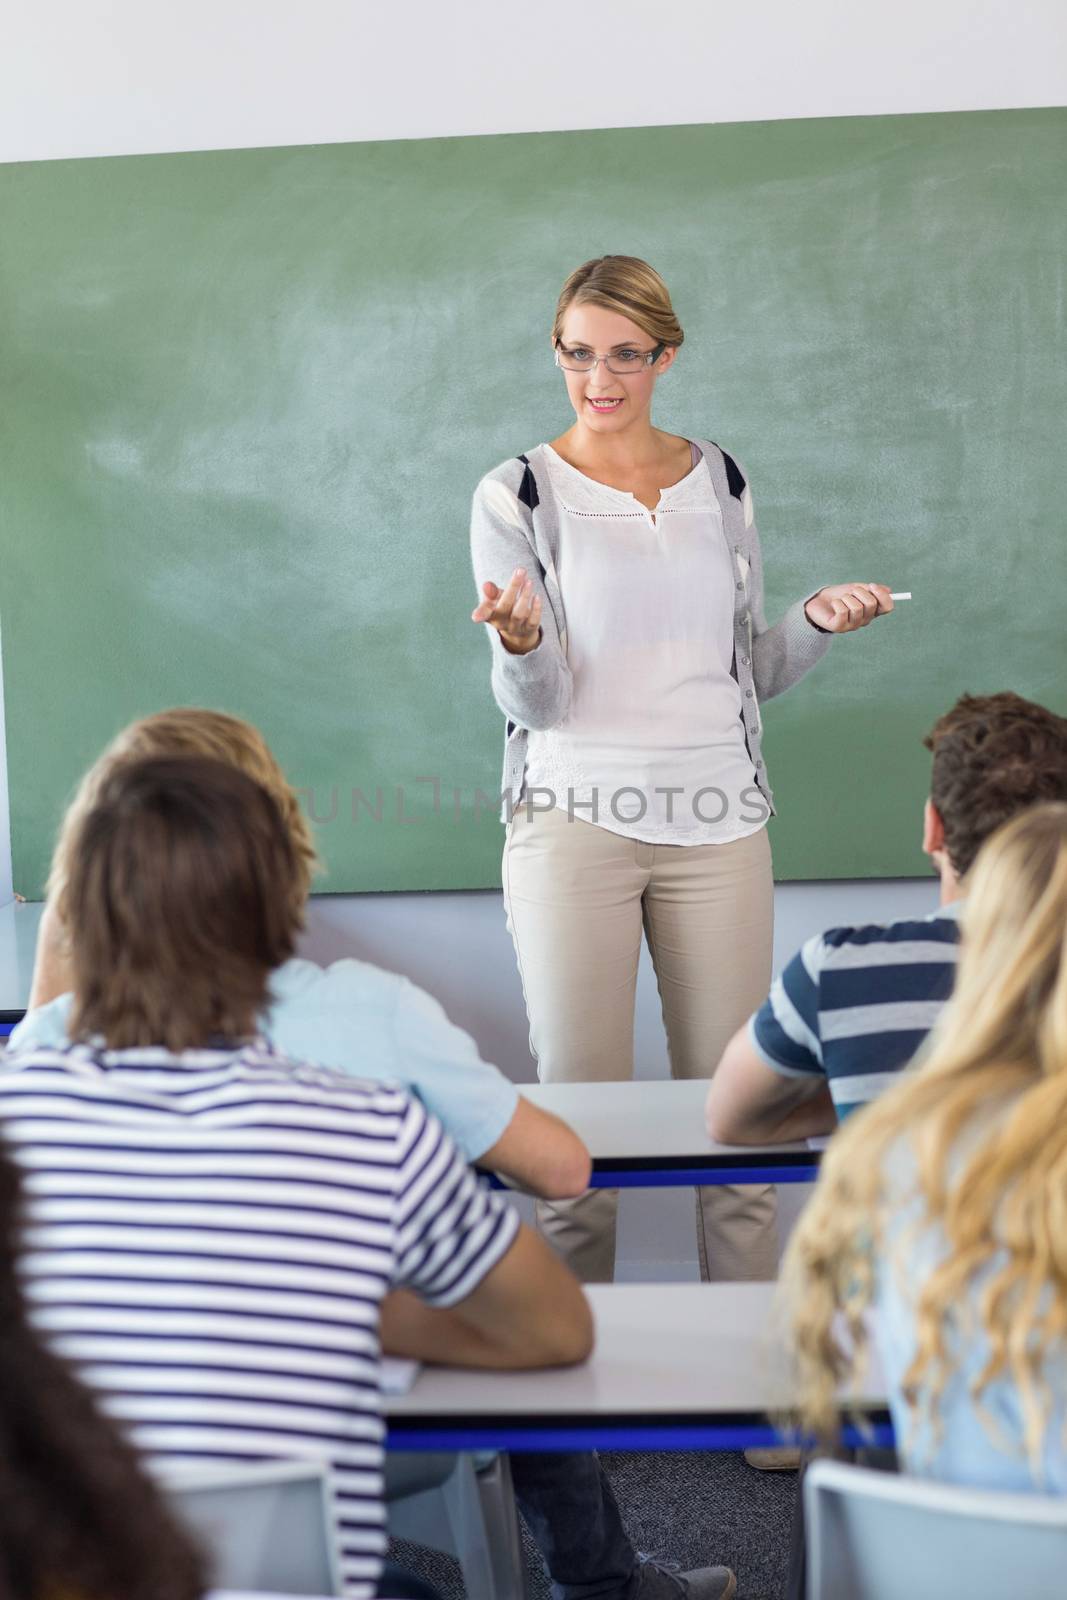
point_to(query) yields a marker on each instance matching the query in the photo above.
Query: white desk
(651, 1135)
(640, 1135)
(676, 1367)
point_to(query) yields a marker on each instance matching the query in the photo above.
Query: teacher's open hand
(844, 607)
(515, 613)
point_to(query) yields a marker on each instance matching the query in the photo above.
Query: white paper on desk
(819, 1141)
(397, 1376)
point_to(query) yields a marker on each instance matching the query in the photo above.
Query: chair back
(878, 1536)
(267, 1527)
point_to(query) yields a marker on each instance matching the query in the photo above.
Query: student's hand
(844, 607)
(528, 1311)
(749, 1103)
(539, 1153)
(515, 613)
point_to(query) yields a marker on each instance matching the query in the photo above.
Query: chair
(878, 1536)
(266, 1526)
(465, 1506)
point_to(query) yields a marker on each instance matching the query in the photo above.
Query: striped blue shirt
(209, 1237)
(856, 1004)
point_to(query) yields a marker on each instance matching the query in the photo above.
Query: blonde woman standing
(619, 574)
(942, 1204)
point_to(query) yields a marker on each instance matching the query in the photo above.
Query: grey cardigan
(514, 523)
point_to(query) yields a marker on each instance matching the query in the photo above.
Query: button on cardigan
(653, 746)
(514, 523)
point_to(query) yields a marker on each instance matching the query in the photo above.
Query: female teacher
(620, 577)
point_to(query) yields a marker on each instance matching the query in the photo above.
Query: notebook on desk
(397, 1376)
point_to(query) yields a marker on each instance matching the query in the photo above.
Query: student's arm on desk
(528, 1311)
(750, 1103)
(539, 1154)
(491, 1121)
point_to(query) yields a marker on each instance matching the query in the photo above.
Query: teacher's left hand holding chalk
(844, 607)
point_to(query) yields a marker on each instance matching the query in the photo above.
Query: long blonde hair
(995, 1071)
(185, 731)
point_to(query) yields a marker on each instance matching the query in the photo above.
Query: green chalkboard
(247, 396)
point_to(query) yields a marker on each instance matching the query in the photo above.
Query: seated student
(357, 1017)
(78, 1517)
(855, 1005)
(349, 1015)
(941, 1204)
(212, 1226)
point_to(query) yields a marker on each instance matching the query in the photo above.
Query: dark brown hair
(78, 1516)
(182, 898)
(994, 755)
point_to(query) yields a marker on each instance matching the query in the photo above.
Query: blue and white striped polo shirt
(856, 1004)
(209, 1237)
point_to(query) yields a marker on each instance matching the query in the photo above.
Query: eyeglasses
(620, 362)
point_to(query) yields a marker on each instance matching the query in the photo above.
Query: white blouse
(653, 745)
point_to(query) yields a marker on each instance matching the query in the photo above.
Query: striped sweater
(856, 1004)
(209, 1237)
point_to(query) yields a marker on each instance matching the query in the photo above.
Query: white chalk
(900, 594)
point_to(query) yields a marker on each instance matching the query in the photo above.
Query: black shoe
(664, 1580)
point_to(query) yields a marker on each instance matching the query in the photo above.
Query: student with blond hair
(620, 577)
(357, 1018)
(350, 1015)
(941, 1205)
(213, 1227)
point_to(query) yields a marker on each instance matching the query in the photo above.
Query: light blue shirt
(966, 1449)
(371, 1023)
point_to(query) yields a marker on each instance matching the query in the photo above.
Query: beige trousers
(578, 898)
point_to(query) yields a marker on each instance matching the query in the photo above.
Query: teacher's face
(606, 401)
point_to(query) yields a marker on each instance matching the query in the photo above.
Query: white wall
(123, 77)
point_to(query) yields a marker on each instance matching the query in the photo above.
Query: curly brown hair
(994, 755)
(78, 1515)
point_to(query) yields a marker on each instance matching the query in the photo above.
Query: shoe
(665, 1580)
(775, 1458)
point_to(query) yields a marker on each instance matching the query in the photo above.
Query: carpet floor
(697, 1508)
